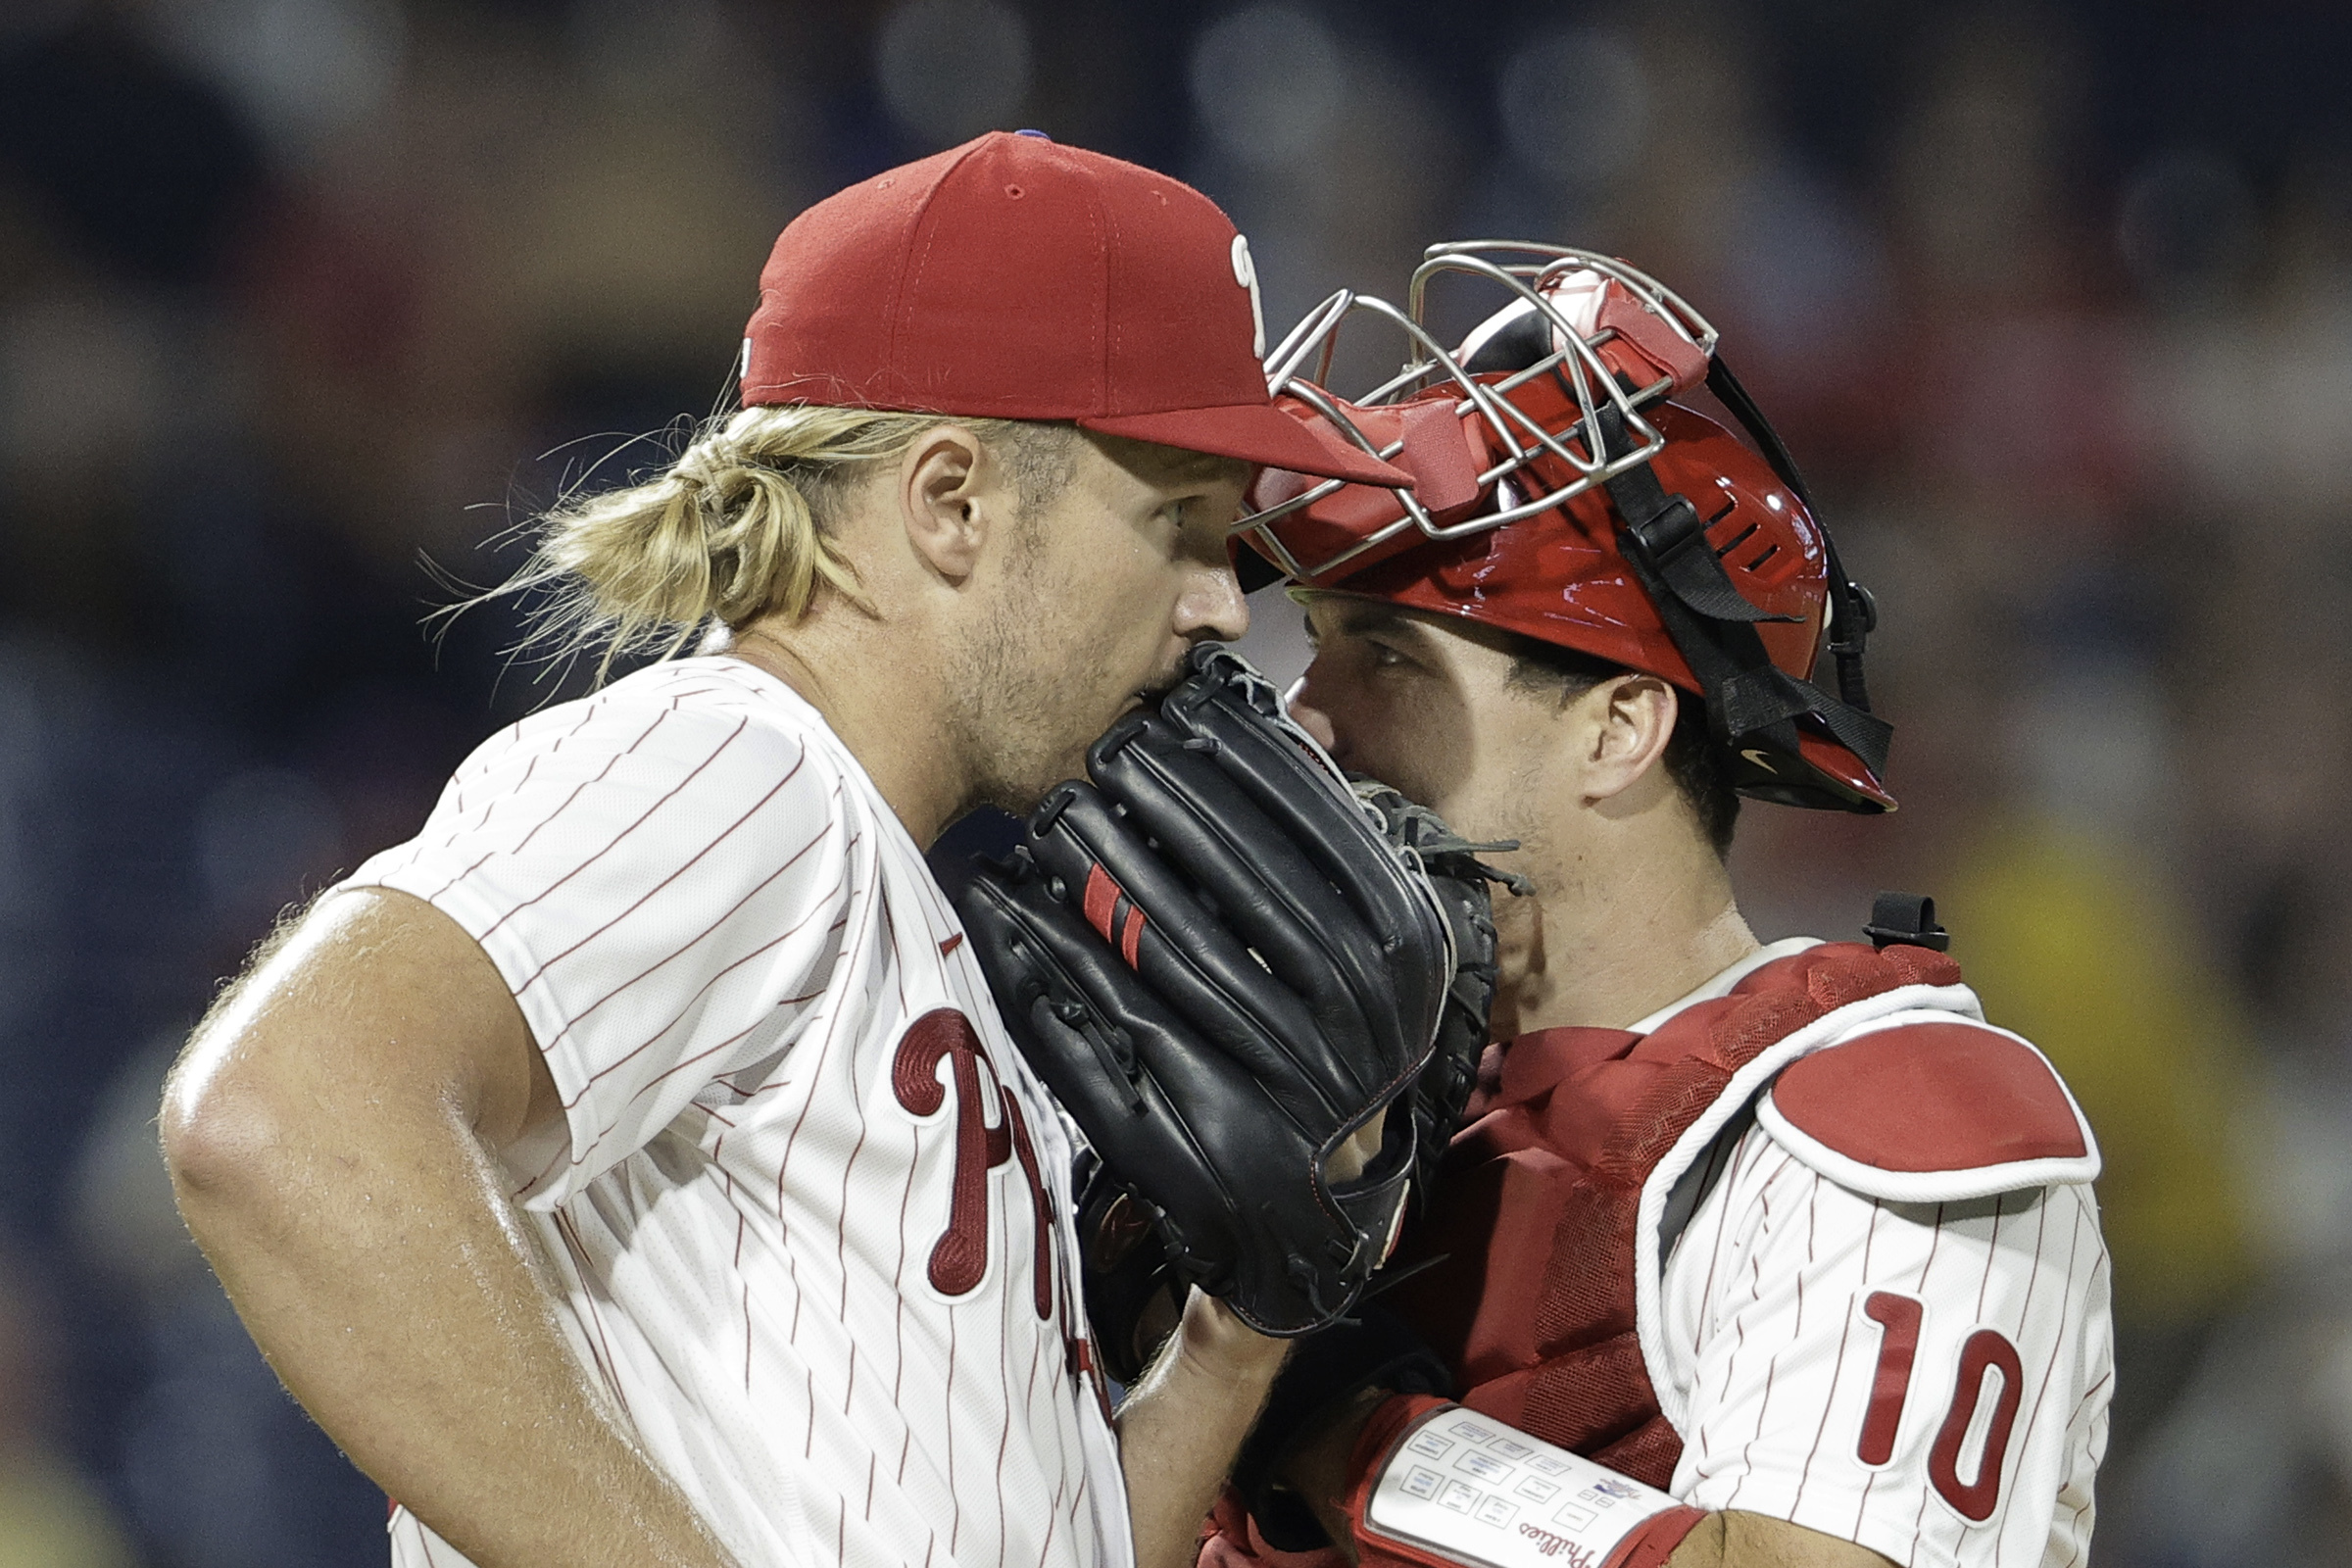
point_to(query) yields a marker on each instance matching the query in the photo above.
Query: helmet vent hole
(1757, 565)
(1737, 540)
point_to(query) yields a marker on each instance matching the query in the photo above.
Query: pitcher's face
(1117, 577)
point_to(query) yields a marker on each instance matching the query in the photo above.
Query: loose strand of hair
(734, 527)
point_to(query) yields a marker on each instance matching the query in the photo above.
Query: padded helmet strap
(1672, 537)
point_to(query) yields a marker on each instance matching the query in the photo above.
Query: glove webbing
(1430, 840)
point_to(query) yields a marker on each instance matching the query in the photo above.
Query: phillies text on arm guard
(1459, 1488)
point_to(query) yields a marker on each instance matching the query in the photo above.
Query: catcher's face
(1113, 579)
(1427, 705)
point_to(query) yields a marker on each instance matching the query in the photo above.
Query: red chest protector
(1533, 1303)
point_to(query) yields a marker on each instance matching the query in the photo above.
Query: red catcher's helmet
(1560, 494)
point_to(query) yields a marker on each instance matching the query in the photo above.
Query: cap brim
(1256, 432)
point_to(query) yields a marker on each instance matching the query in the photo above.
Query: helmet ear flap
(1853, 611)
(1762, 712)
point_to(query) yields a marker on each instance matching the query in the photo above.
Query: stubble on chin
(1035, 705)
(1038, 745)
(1018, 727)
(1017, 785)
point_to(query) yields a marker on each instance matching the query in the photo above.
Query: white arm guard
(1469, 1490)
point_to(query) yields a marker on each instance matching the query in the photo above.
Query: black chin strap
(1752, 705)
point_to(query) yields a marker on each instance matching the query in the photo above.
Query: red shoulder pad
(1931, 1112)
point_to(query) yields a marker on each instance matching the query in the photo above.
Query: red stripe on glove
(1102, 898)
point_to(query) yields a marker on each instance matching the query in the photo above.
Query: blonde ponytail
(735, 529)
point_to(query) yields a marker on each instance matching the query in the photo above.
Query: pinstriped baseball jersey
(1843, 1337)
(807, 1210)
(1929, 1379)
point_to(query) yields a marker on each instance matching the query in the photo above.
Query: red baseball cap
(1015, 278)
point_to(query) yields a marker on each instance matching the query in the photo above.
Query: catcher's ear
(1623, 726)
(948, 493)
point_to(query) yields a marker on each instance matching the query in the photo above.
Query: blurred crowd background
(305, 305)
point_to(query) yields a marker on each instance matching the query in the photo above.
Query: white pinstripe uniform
(1920, 1362)
(807, 1212)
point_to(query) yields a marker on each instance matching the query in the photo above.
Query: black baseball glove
(1225, 963)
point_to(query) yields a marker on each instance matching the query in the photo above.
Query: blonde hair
(736, 528)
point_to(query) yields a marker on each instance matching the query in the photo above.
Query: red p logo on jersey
(959, 1259)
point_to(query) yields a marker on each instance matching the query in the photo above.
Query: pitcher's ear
(951, 490)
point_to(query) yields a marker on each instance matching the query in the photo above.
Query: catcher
(1746, 1253)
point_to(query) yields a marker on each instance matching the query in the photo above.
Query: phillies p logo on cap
(1015, 278)
(1245, 273)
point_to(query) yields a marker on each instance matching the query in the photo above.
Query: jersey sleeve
(662, 885)
(1927, 1380)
